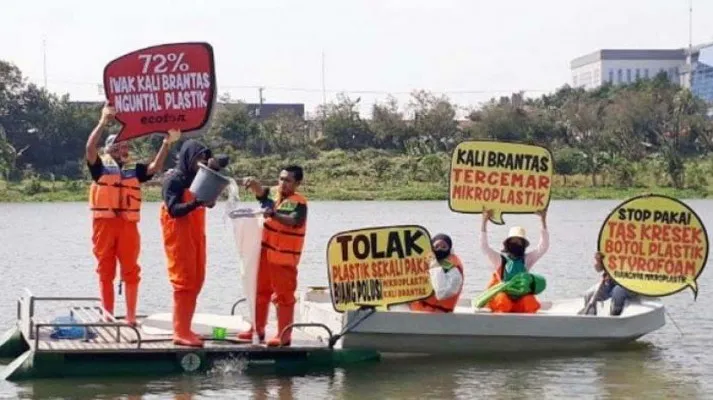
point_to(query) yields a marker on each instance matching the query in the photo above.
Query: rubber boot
(106, 289)
(261, 312)
(285, 316)
(194, 302)
(182, 320)
(132, 296)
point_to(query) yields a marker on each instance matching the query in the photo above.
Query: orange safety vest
(283, 243)
(117, 193)
(431, 303)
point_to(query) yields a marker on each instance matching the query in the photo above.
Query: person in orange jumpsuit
(446, 272)
(282, 242)
(514, 257)
(183, 228)
(115, 201)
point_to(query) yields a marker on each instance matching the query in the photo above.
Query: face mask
(516, 250)
(441, 254)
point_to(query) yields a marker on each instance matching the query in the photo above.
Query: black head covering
(441, 254)
(190, 150)
(444, 237)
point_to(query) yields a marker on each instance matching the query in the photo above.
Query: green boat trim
(42, 365)
(12, 344)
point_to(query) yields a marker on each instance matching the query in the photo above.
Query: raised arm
(544, 244)
(91, 152)
(158, 161)
(492, 254)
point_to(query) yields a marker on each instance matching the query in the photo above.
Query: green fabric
(512, 267)
(447, 265)
(519, 285)
(484, 298)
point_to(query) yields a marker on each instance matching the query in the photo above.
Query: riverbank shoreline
(73, 191)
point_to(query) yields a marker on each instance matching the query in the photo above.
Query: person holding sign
(446, 272)
(183, 228)
(115, 201)
(511, 261)
(604, 290)
(282, 242)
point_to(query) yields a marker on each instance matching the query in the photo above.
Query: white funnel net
(247, 231)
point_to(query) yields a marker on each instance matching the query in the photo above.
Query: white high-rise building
(626, 66)
(691, 69)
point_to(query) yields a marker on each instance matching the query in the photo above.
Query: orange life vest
(117, 193)
(284, 243)
(431, 303)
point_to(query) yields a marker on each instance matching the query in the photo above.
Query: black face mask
(441, 254)
(516, 250)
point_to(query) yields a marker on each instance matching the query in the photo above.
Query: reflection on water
(37, 241)
(636, 372)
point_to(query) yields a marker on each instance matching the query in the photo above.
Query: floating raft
(110, 347)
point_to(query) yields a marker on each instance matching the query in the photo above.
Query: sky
(469, 51)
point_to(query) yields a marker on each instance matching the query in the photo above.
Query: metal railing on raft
(240, 300)
(34, 328)
(333, 339)
(117, 325)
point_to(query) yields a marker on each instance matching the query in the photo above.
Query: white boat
(555, 327)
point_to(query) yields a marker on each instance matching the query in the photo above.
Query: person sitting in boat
(605, 289)
(511, 261)
(446, 272)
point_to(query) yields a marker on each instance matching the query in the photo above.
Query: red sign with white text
(161, 87)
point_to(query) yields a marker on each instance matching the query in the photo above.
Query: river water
(47, 248)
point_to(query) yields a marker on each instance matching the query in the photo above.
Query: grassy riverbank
(77, 191)
(374, 175)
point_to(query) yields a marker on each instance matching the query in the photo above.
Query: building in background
(691, 69)
(698, 74)
(625, 66)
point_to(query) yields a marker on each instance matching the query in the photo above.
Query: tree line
(611, 128)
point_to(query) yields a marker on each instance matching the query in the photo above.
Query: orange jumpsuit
(503, 303)
(432, 304)
(277, 274)
(115, 201)
(183, 229)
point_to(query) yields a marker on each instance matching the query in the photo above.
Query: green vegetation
(613, 142)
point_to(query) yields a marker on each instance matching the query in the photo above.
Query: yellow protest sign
(654, 245)
(379, 266)
(504, 177)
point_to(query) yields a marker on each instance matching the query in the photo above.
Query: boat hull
(41, 365)
(556, 328)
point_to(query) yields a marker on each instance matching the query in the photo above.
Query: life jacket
(432, 304)
(284, 243)
(195, 219)
(117, 193)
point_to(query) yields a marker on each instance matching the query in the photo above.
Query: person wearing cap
(512, 260)
(115, 202)
(446, 271)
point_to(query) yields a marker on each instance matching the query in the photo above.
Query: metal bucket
(208, 184)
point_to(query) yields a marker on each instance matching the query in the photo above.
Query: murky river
(47, 248)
